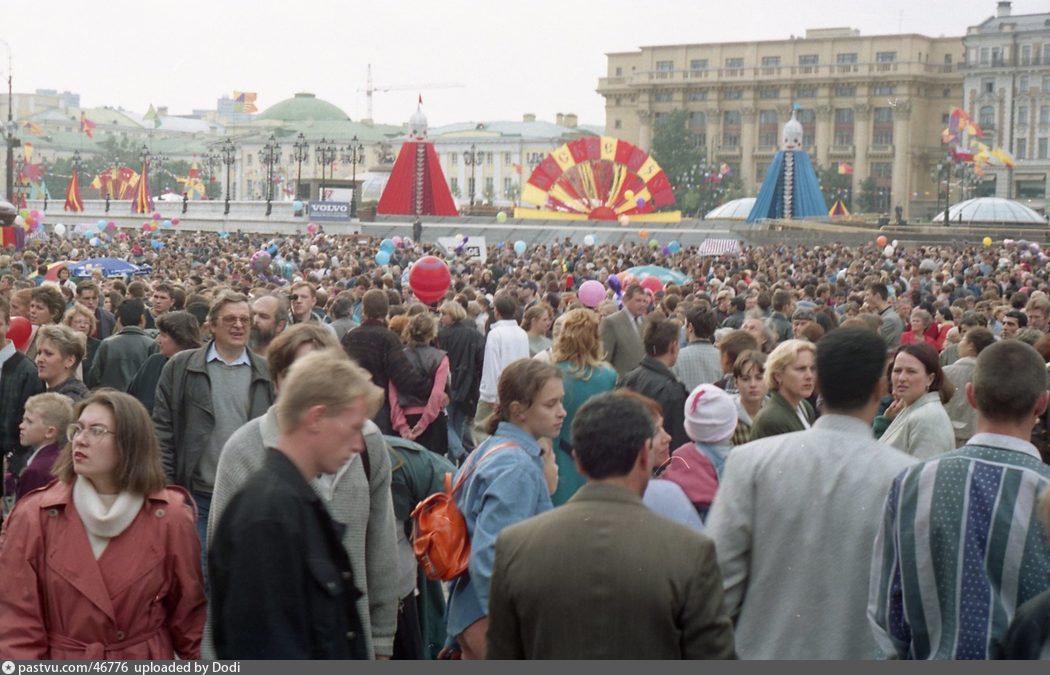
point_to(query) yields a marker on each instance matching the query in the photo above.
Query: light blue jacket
(506, 488)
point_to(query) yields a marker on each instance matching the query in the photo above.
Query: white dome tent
(738, 209)
(990, 211)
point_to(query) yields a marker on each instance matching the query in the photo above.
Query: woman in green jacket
(791, 374)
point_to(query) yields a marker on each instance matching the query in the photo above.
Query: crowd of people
(799, 452)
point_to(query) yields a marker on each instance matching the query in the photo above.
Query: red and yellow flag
(87, 127)
(143, 201)
(73, 201)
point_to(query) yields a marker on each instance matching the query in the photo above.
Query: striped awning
(719, 247)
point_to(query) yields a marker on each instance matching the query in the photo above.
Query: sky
(507, 58)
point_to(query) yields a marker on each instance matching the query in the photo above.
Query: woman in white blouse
(921, 426)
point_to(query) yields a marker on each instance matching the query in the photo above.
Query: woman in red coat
(104, 563)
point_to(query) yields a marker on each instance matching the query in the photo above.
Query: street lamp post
(354, 153)
(471, 158)
(300, 154)
(19, 169)
(228, 151)
(270, 155)
(326, 153)
(10, 129)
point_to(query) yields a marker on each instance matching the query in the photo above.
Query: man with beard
(269, 319)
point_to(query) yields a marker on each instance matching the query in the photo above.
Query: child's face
(33, 431)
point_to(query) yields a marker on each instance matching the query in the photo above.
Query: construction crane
(371, 88)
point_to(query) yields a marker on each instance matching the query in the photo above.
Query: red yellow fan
(598, 179)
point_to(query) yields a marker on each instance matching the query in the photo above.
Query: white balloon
(60, 230)
(589, 240)
(893, 243)
(74, 253)
(888, 251)
(314, 249)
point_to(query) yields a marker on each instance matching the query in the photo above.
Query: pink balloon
(156, 216)
(174, 221)
(591, 293)
(311, 228)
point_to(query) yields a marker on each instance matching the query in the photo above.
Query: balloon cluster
(29, 220)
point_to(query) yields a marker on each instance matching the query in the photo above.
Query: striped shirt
(960, 548)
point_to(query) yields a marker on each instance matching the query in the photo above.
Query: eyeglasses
(95, 431)
(230, 321)
(300, 297)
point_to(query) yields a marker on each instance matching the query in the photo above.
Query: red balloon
(19, 331)
(652, 284)
(429, 279)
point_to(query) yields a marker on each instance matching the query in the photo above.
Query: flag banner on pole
(143, 201)
(73, 201)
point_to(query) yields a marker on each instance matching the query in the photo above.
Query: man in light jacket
(796, 554)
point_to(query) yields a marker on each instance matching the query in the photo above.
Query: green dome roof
(303, 107)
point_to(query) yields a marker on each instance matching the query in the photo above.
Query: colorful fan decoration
(598, 178)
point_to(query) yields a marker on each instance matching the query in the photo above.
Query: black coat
(655, 380)
(378, 350)
(465, 347)
(281, 582)
(144, 385)
(105, 322)
(1029, 631)
(18, 381)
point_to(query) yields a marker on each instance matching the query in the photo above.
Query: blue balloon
(382, 257)
(95, 241)
(101, 224)
(387, 245)
(519, 247)
(168, 225)
(272, 249)
(157, 244)
(297, 205)
(673, 246)
(289, 270)
(223, 234)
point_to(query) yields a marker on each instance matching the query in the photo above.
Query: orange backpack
(439, 532)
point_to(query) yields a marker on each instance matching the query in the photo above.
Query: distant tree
(675, 151)
(866, 200)
(835, 186)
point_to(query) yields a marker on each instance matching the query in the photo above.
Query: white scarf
(101, 522)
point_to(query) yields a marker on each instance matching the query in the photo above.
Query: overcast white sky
(539, 56)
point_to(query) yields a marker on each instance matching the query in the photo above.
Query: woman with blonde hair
(104, 564)
(82, 320)
(59, 352)
(578, 355)
(790, 376)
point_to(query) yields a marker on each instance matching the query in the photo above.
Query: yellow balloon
(629, 194)
(987, 242)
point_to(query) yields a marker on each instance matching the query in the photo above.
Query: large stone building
(878, 103)
(1007, 91)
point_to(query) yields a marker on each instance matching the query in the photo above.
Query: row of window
(487, 158)
(1042, 149)
(733, 62)
(769, 93)
(1028, 55)
(769, 127)
(1024, 84)
(510, 188)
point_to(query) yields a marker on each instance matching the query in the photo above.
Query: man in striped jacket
(961, 546)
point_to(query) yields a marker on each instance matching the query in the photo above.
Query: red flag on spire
(421, 99)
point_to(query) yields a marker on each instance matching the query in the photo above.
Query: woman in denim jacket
(511, 483)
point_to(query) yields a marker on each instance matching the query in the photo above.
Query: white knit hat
(710, 415)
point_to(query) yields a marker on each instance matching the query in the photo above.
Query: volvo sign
(330, 211)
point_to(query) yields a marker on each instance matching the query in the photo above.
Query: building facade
(1007, 92)
(876, 103)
